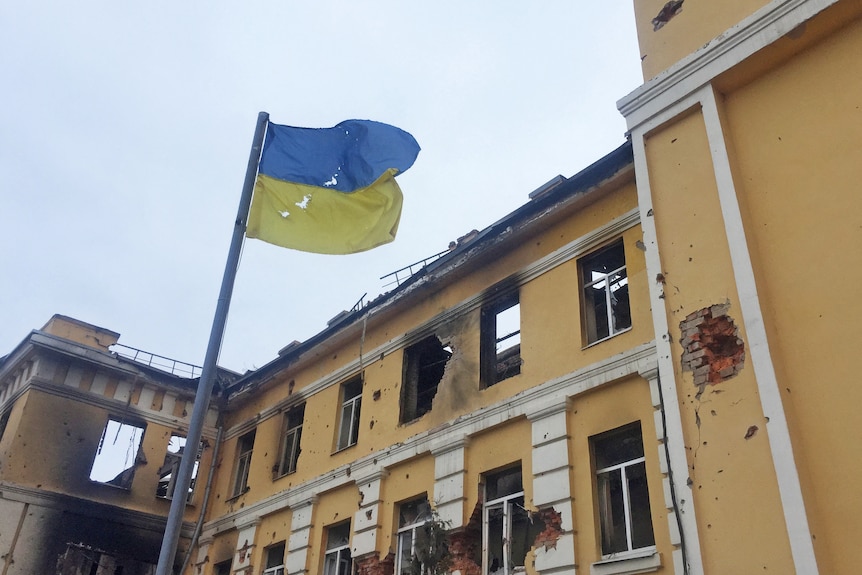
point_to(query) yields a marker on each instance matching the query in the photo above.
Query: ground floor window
(506, 526)
(412, 518)
(337, 559)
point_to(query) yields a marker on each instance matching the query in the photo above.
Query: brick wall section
(372, 565)
(712, 349)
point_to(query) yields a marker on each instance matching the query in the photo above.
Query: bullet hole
(290, 386)
(667, 12)
(376, 395)
(750, 432)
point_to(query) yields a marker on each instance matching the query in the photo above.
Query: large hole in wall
(712, 349)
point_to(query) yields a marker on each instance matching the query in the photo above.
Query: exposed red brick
(465, 545)
(553, 522)
(372, 565)
(712, 348)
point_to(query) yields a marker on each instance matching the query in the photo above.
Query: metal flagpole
(205, 385)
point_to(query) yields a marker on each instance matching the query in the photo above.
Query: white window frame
(243, 463)
(606, 278)
(290, 441)
(622, 468)
(334, 558)
(499, 339)
(506, 503)
(275, 569)
(411, 528)
(349, 415)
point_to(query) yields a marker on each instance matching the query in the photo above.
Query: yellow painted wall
(403, 482)
(732, 476)
(58, 458)
(590, 414)
(797, 137)
(332, 508)
(696, 24)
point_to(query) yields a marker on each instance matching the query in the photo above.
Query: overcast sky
(125, 131)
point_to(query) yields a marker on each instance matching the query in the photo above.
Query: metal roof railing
(404, 273)
(166, 364)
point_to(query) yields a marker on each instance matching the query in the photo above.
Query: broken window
(623, 497)
(119, 453)
(606, 293)
(501, 340)
(274, 559)
(412, 517)
(424, 364)
(222, 568)
(171, 467)
(351, 402)
(506, 525)
(290, 437)
(337, 559)
(244, 447)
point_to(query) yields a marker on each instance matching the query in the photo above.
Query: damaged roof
(547, 204)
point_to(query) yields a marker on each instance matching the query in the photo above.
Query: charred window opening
(506, 524)
(171, 467)
(606, 293)
(274, 562)
(290, 440)
(119, 454)
(351, 402)
(222, 568)
(623, 496)
(244, 449)
(501, 340)
(336, 560)
(414, 546)
(80, 559)
(424, 365)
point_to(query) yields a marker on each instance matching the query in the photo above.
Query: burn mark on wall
(667, 12)
(712, 349)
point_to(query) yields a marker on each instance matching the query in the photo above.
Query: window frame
(589, 323)
(171, 467)
(354, 405)
(603, 502)
(490, 356)
(267, 559)
(505, 503)
(423, 517)
(338, 551)
(242, 465)
(417, 395)
(291, 437)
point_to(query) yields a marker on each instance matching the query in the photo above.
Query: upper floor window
(119, 453)
(244, 448)
(623, 497)
(171, 467)
(506, 526)
(606, 292)
(274, 559)
(412, 517)
(424, 365)
(351, 402)
(500, 352)
(222, 568)
(290, 439)
(337, 559)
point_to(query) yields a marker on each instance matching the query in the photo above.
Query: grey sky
(125, 130)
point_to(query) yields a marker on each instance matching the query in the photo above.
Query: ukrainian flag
(330, 190)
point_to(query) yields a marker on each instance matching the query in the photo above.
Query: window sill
(604, 339)
(345, 448)
(233, 498)
(630, 563)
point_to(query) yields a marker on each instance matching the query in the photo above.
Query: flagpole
(207, 379)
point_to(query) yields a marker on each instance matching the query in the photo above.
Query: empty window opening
(424, 365)
(244, 448)
(501, 340)
(351, 402)
(506, 524)
(118, 454)
(623, 497)
(222, 568)
(337, 559)
(290, 440)
(606, 293)
(274, 559)
(171, 467)
(413, 540)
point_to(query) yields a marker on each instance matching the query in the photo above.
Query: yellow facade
(695, 418)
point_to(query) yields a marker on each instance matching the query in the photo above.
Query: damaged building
(637, 371)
